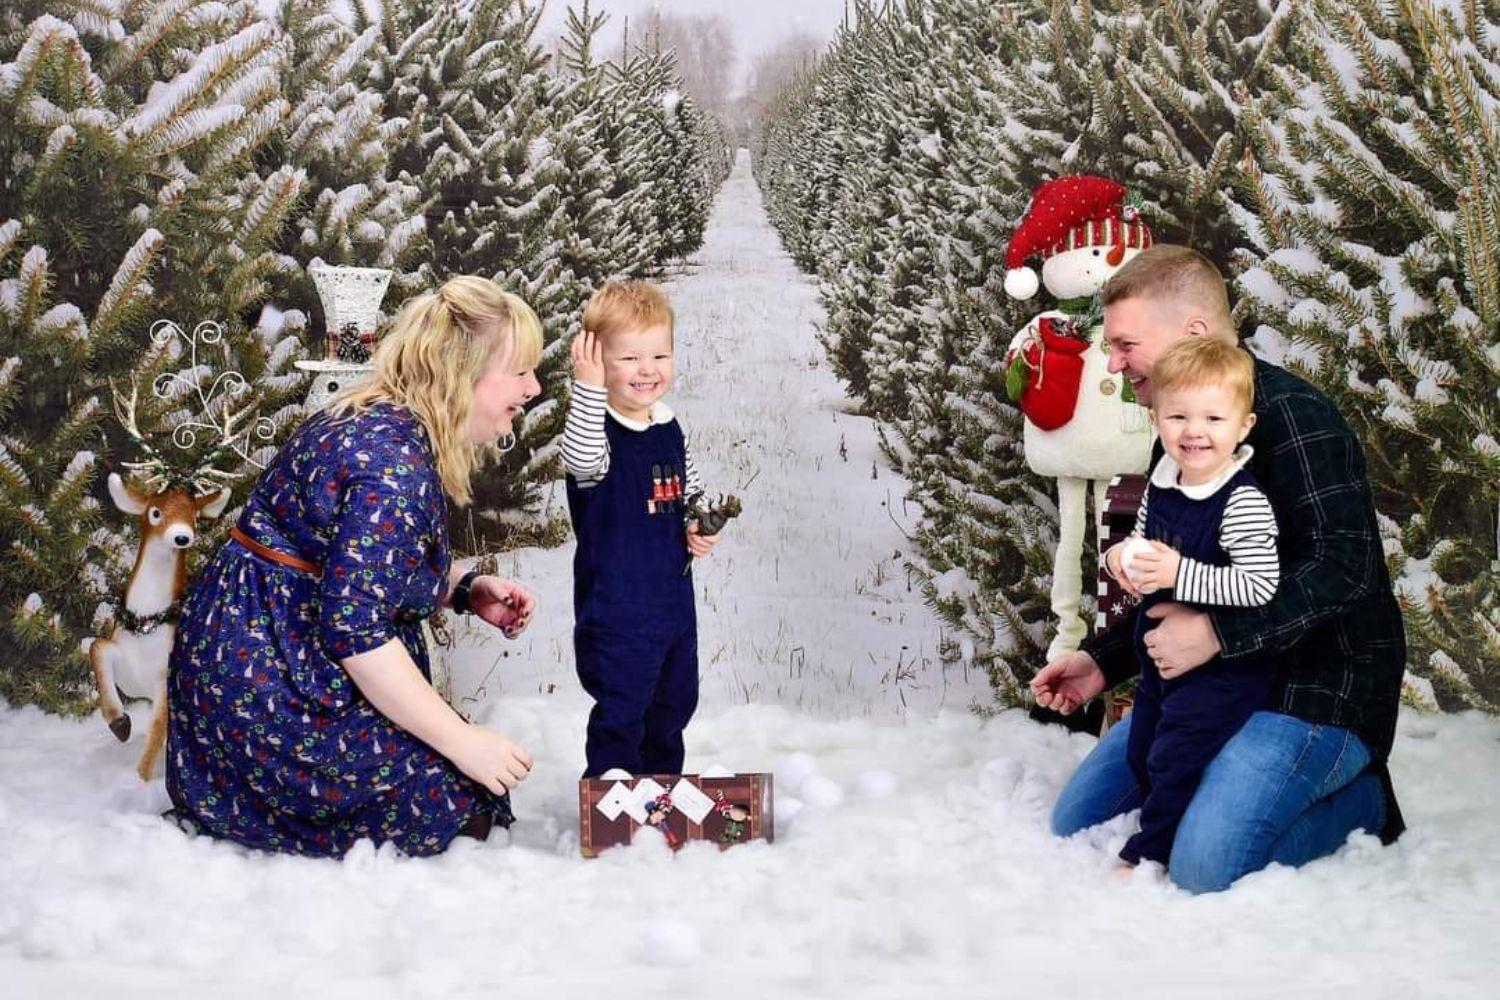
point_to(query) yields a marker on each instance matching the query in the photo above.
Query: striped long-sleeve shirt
(1247, 534)
(586, 448)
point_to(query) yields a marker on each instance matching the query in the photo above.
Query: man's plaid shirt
(1334, 622)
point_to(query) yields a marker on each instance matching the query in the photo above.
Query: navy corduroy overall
(635, 633)
(1178, 726)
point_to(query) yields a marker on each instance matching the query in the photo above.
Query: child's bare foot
(1122, 871)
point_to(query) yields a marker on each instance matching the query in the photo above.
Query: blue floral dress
(270, 744)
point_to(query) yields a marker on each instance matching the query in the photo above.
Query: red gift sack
(1054, 372)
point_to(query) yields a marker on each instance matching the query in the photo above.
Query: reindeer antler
(155, 472)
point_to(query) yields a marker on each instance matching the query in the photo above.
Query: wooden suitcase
(684, 807)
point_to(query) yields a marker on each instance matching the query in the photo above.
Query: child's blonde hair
(1194, 362)
(438, 346)
(627, 307)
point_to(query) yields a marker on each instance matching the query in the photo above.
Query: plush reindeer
(133, 660)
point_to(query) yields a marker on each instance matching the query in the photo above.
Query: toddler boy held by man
(1205, 535)
(629, 477)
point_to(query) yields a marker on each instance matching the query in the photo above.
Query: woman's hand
(588, 359)
(388, 677)
(1155, 568)
(507, 606)
(698, 543)
(489, 758)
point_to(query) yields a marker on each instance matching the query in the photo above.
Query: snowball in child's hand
(1133, 547)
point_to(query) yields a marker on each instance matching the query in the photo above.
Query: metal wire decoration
(237, 431)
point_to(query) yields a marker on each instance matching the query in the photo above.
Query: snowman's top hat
(351, 299)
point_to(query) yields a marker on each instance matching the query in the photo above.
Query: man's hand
(699, 544)
(1183, 641)
(588, 359)
(507, 606)
(1069, 681)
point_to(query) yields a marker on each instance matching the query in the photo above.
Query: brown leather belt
(280, 558)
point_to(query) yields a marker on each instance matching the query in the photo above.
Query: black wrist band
(459, 601)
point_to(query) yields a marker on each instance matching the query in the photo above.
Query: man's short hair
(1170, 273)
(1196, 362)
(627, 307)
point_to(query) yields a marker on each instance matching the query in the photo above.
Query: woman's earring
(506, 443)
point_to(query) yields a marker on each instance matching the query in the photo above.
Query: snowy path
(912, 858)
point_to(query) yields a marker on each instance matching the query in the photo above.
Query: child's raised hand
(1155, 568)
(699, 544)
(588, 359)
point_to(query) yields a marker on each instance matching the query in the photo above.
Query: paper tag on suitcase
(613, 802)
(689, 800)
(646, 790)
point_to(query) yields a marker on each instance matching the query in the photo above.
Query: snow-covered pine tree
(585, 242)
(909, 132)
(596, 242)
(1373, 217)
(354, 212)
(984, 535)
(827, 189)
(662, 155)
(127, 133)
(471, 86)
(629, 152)
(1192, 65)
(503, 147)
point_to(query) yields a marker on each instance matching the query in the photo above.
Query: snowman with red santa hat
(1082, 424)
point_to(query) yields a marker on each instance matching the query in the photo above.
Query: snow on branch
(129, 281)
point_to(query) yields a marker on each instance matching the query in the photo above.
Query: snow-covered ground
(911, 859)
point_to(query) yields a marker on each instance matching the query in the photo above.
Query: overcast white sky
(758, 24)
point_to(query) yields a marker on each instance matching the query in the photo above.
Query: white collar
(1166, 474)
(660, 413)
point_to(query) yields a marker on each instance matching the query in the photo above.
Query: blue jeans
(1281, 790)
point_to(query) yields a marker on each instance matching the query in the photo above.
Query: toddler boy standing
(629, 476)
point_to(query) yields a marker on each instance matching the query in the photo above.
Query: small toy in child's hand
(712, 518)
(1132, 547)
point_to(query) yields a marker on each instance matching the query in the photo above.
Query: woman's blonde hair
(437, 347)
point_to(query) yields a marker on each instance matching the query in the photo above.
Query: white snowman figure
(1082, 424)
(351, 298)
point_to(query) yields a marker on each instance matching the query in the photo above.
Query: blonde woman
(301, 715)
